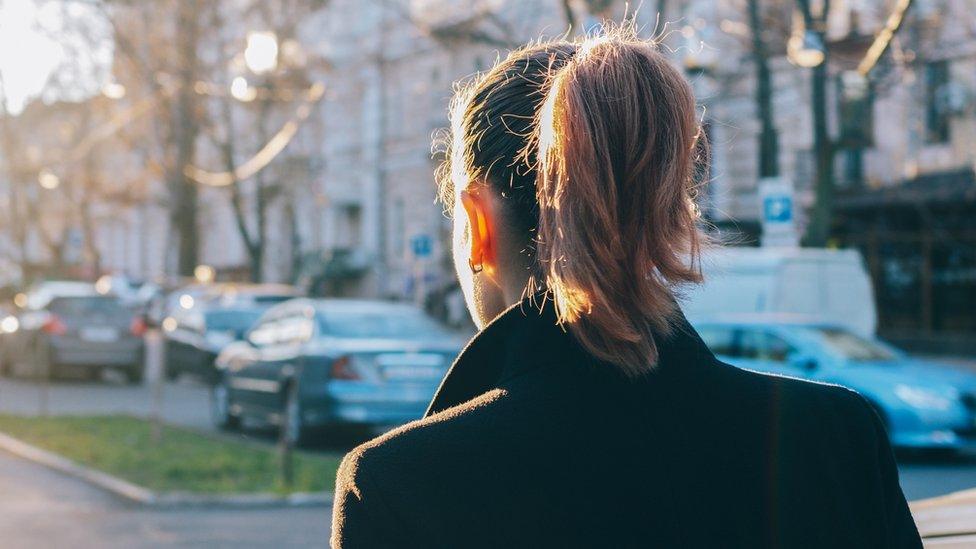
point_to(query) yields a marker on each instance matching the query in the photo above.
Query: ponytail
(615, 141)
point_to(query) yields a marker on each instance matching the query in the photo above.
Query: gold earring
(475, 267)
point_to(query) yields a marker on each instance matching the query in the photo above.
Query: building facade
(355, 215)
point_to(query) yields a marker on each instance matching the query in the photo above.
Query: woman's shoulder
(827, 406)
(424, 441)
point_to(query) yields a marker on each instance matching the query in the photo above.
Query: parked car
(308, 364)
(30, 313)
(42, 293)
(198, 334)
(74, 333)
(923, 405)
(264, 294)
(180, 299)
(831, 286)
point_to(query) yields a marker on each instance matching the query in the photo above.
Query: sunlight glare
(48, 180)
(261, 53)
(241, 91)
(24, 76)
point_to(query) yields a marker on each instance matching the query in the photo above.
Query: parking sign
(421, 245)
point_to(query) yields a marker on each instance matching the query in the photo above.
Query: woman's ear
(477, 206)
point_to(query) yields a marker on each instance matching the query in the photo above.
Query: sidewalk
(42, 508)
(947, 521)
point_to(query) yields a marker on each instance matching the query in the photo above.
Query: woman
(587, 412)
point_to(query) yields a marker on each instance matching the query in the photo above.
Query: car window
(776, 348)
(86, 306)
(761, 344)
(719, 339)
(750, 344)
(380, 325)
(854, 347)
(236, 320)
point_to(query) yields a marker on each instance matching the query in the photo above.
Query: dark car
(308, 364)
(168, 305)
(197, 335)
(84, 334)
(203, 318)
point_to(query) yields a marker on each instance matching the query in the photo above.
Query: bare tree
(157, 56)
(268, 100)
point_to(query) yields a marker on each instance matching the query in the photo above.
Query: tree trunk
(254, 251)
(16, 223)
(184, 134)
(88, 190)
(818, 231)
(261, 200)
(296, 240)
(768, 139)
(570, 16)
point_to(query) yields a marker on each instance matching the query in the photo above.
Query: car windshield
(380, 325)
(236, 320)
(86, 306)
(854, 347)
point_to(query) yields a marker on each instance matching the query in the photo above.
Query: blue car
(923, 405)
(309, 364)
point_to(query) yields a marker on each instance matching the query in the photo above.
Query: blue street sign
(777, 209)
(421, 245)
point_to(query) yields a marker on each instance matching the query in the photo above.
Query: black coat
(530, 442)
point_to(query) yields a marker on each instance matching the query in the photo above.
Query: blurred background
(186, 184)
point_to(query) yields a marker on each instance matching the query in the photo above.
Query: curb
(962, 497)
(140, 495)
(949, 520)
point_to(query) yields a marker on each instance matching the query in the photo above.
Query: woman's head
(570, 169)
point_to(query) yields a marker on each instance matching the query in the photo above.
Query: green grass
(182, 460)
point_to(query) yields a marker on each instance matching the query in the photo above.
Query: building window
(855, 98)
(936, 107)
(856, 109)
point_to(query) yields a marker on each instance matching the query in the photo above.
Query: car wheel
(169, 371)
(135, 374)
(220, 406)
(296, 432)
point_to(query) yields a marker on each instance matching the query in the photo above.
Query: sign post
(778, 213)
(421, 245)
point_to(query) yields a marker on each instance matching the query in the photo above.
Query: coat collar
(526, 336)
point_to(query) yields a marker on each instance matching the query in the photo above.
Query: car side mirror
(802, 361)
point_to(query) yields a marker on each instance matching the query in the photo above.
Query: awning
(948, 187)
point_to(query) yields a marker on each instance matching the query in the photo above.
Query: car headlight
(919, 397)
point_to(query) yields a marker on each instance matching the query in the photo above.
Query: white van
(831, 286)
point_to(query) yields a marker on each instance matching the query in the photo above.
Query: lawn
(182, 460)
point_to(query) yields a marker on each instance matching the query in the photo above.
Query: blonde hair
(593, 147)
